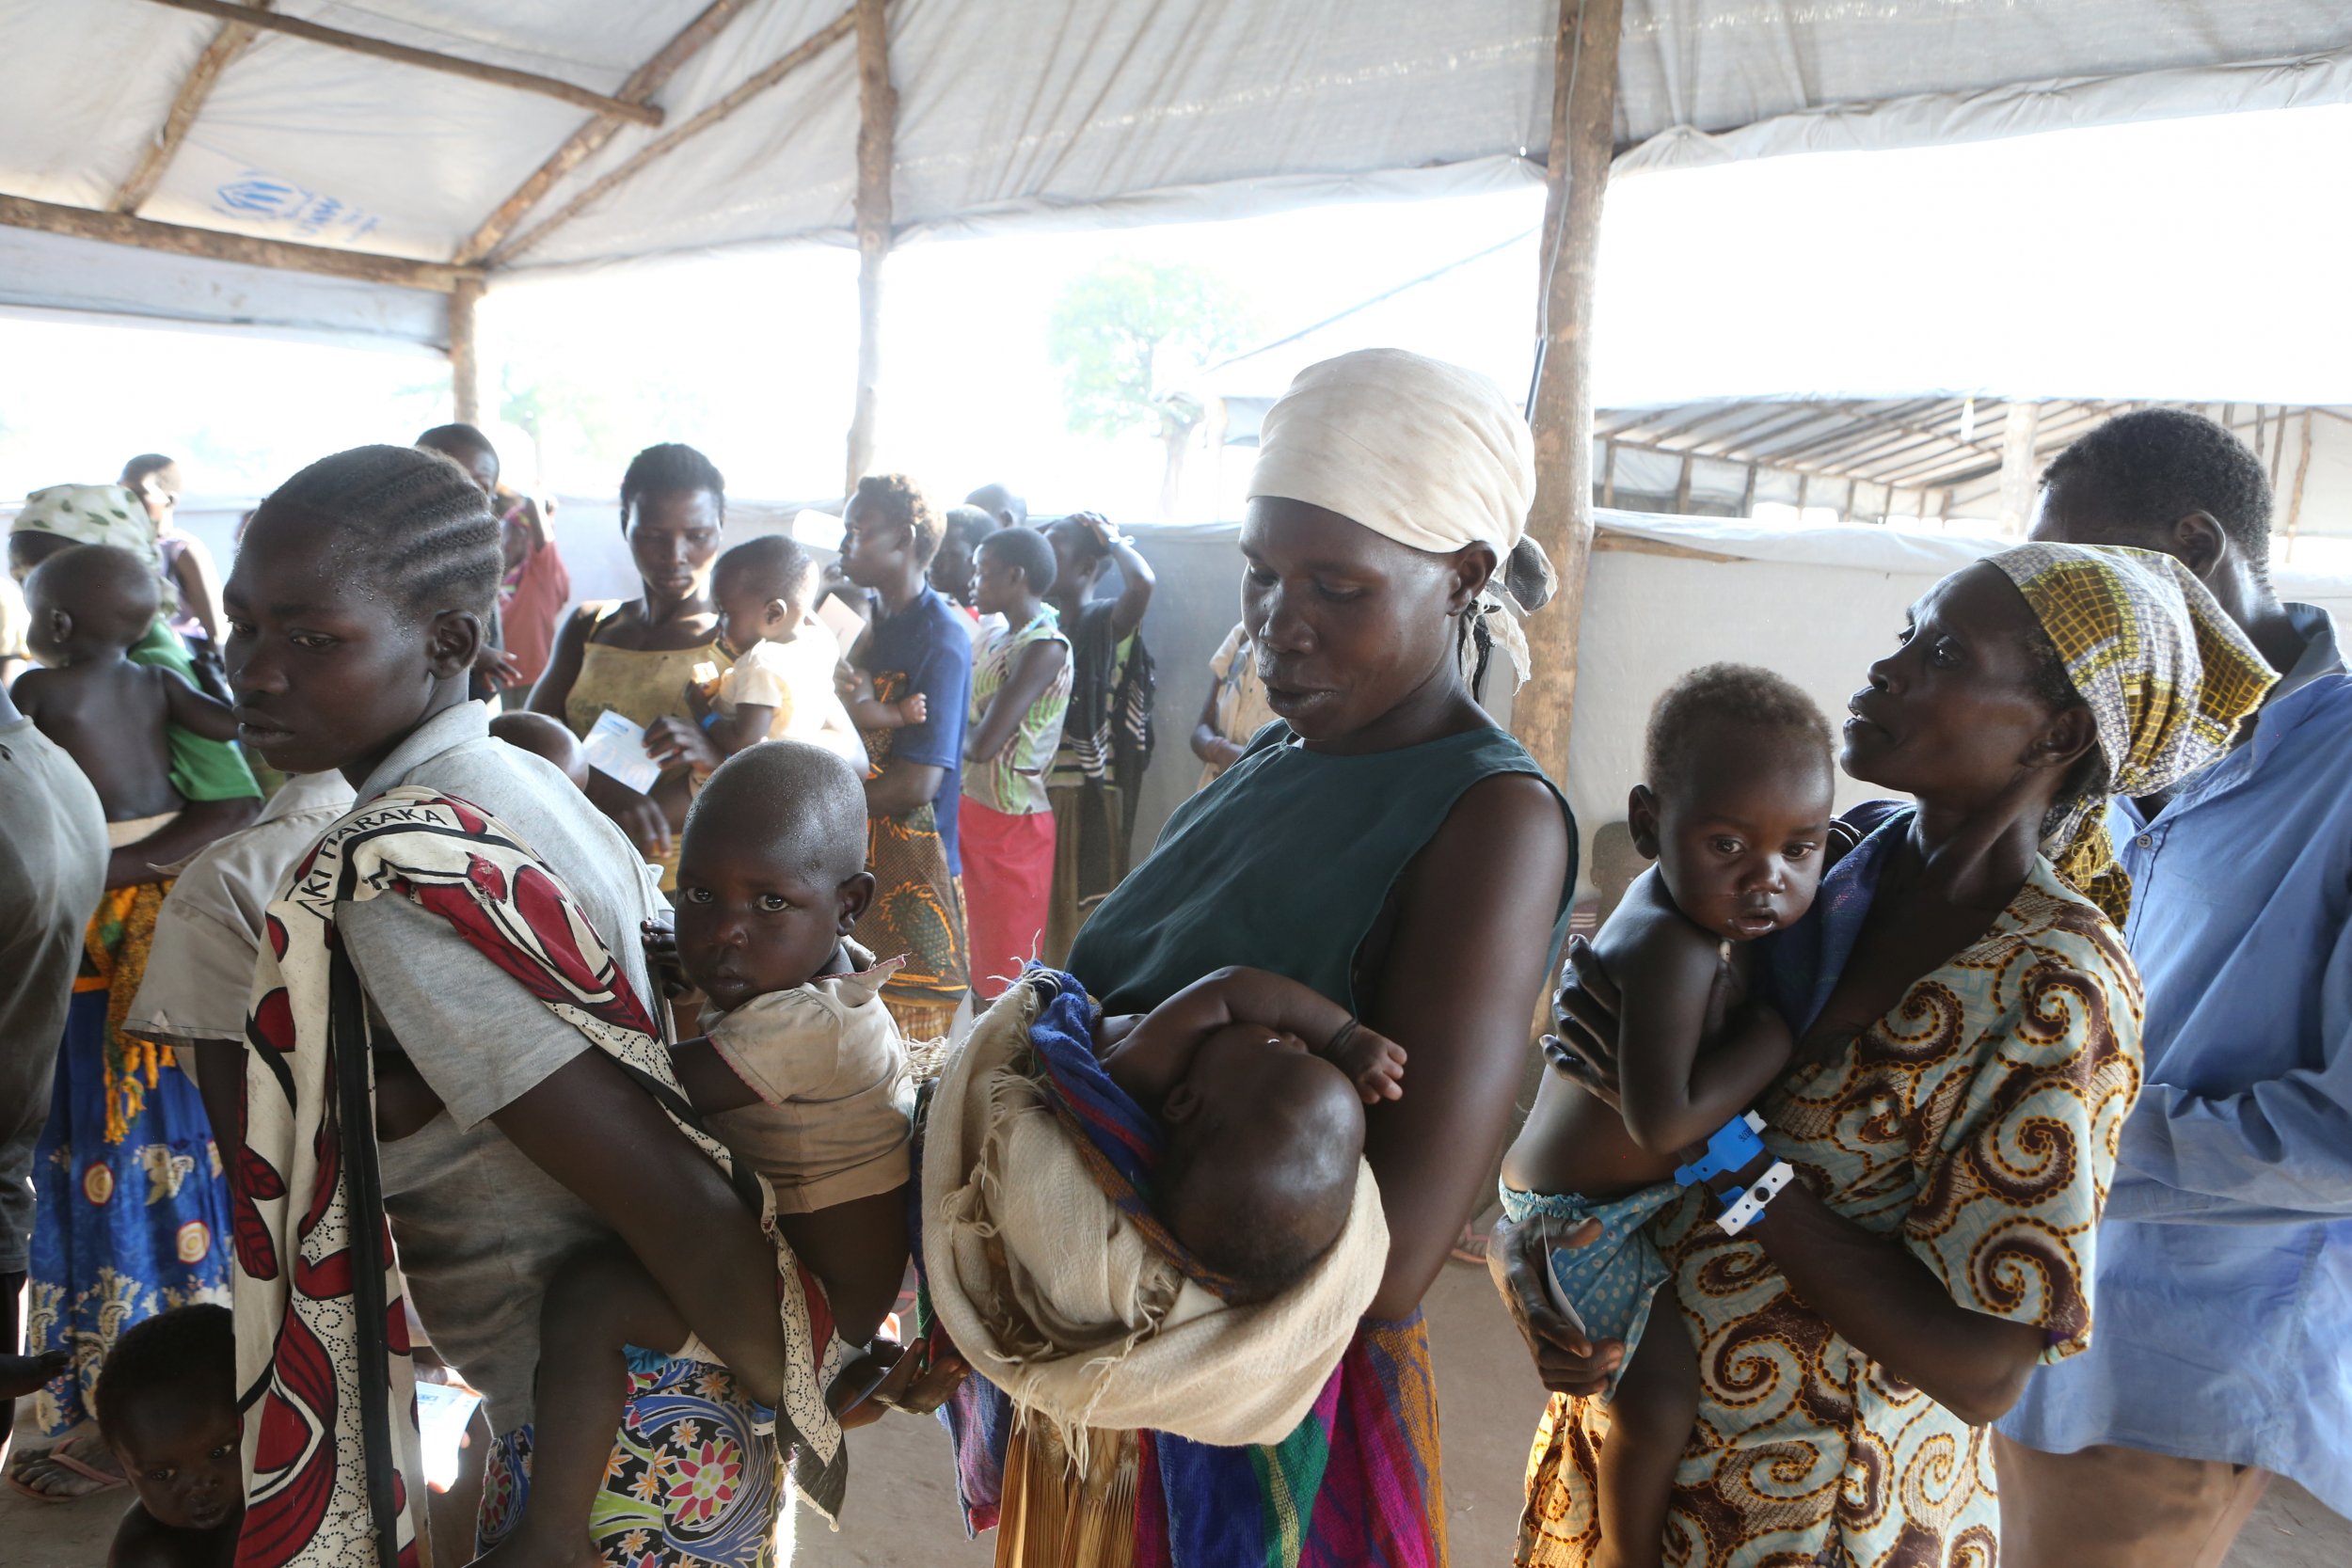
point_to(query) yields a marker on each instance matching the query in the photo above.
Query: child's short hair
(1716, 694)
(112, 595)
(773, 566)
(189, 1350)
(803, 796)
(1029, 551)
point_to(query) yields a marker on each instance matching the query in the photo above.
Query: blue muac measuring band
(1730, 1147)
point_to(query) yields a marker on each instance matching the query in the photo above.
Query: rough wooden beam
(185, 106)
(877, 131)
(464, 367)
(643, 84)
(1583, 124)
(2302, 472)
(359, 43)
(662, 145)
(18, 212)
(2019, 422)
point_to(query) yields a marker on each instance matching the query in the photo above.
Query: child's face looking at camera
(1740, 834)
(754, 918)
(181, 1456)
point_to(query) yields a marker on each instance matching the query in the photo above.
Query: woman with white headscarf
(1395, 850)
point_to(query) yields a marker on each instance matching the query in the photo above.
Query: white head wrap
(1418, 450)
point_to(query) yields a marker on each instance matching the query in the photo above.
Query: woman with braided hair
(1916, 1229)
(453, 1027)
(637, 657)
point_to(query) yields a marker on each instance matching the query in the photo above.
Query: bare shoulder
(1646, 937)
(1502, 818)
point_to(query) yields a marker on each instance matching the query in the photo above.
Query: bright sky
(2197, 260)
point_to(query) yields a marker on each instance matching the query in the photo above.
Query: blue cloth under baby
(1610, 1282)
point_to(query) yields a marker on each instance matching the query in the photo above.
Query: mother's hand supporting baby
(1518, 1256)
(1585, 1011)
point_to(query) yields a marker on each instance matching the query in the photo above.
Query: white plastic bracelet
(1744, 1210)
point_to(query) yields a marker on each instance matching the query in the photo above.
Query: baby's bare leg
(1650, 1426)
(599, 1303)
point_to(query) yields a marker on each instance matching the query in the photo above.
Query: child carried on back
(88, 606)
(800, 1071)
(1736, 811)
(1209, 1291)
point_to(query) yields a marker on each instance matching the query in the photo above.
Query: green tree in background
(1131, 338)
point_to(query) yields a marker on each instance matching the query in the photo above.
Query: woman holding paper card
(637, 658)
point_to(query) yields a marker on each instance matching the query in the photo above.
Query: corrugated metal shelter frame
(406, 152)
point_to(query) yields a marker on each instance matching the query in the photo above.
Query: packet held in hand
(616, 748)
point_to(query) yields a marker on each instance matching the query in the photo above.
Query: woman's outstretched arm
(1458, 987)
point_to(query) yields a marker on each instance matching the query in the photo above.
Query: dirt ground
(901, 1508)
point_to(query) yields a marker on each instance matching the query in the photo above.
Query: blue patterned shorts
(1608, 1285)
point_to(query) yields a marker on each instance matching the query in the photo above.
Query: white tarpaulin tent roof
(1105, 111)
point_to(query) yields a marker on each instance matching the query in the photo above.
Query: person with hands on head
(2229, 1224)
(1918, 1227)
(505, 1136)
(918, 646)
(1387, 523)
(1097, 772)
(636, 657)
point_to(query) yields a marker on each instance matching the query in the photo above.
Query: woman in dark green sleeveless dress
(1388, 845)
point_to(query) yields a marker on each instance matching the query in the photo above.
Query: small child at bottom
(167, 1406)
(1736, 812)
(800, 1071)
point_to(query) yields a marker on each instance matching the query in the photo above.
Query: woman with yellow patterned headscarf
(2166, 675)
(1939, 1150)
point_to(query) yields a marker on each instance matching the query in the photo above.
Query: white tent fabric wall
(1027, 111)
(1667, 594)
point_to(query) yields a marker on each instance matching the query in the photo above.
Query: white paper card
(616, 748)
(844, 624)
(442, 1413)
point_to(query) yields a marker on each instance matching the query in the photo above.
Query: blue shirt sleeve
(2277, 1153)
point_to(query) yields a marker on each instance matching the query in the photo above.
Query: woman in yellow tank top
(636, 657)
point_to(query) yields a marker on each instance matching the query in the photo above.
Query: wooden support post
(1583, 132)
(1609, 473)
(1747, 493)
(877, 118)
(643, 84)
(2019, 423)
(464, 367)
(185, 106)
(1683, 488)
(359, 43)
(1804, 482)
(2278, 445)
(2302, 472)
(662, 145)
(81, 223)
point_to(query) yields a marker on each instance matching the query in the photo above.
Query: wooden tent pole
(2302, 472)
(81, 223)
(464, 367)
(670, 141)
(187, 104)
(643, 84)
(1584, 139)
(877, 118)
(359, 43)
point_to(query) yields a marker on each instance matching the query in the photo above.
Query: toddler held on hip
(1736, 812)
(800, 1071)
